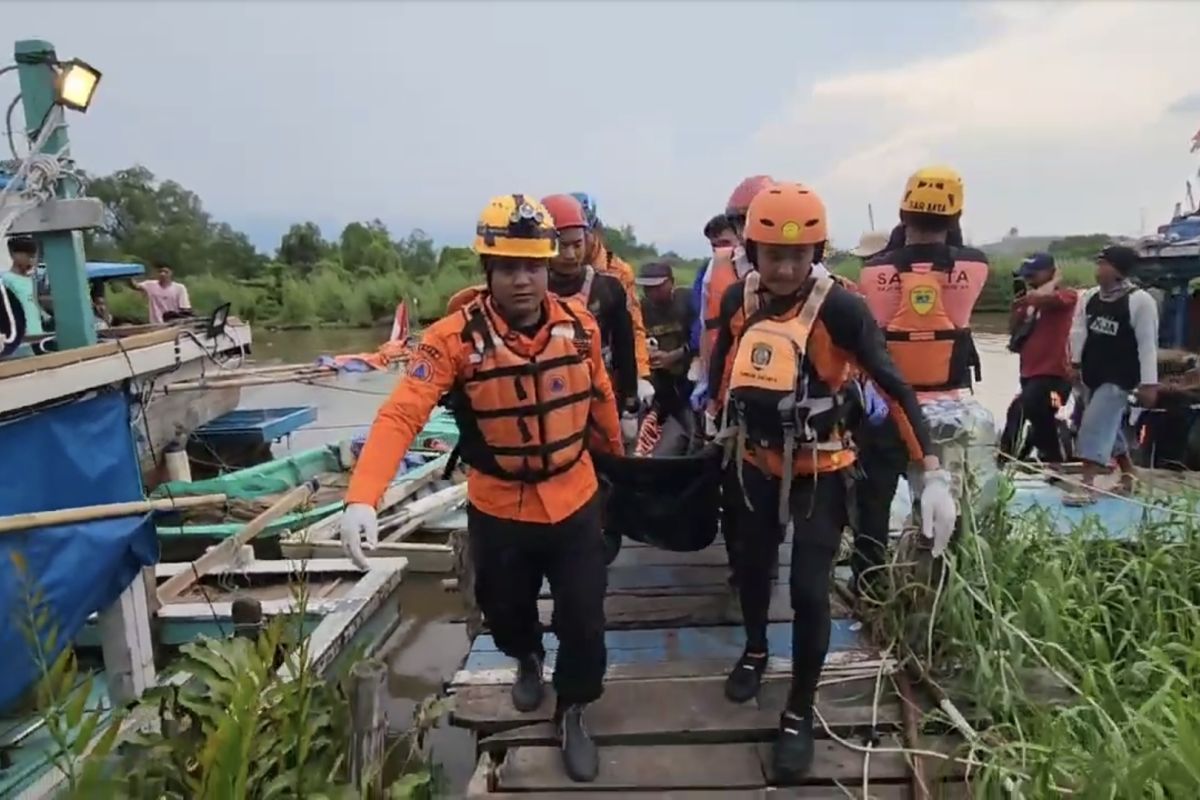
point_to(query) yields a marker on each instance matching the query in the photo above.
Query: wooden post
(464, 572)
(61, 250)
(368, 726)
(127, 645)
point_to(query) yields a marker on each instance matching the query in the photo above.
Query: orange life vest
(523, 418)
(784, 410)
(722, 275)
(462, 297)
(931, 352)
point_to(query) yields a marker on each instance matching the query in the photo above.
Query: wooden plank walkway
(664, 727)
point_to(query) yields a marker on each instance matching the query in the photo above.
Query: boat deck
(664, 726)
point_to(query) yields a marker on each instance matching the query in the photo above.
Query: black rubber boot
(580, 758)
(745, 678)
(794, 748)
(528, 691)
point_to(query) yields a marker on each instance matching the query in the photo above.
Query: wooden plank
(624, 611)
(624, 768)
(585, 794)
(401, 489)
(127, 644)
(505, 675)
(665, 711)
(675, 579)
(337, 629)
(287, 568)
(670, 644)
(422, 558)
(22, 366)
(227, 549)
(68, 214)
(836, 762)
(712, 556)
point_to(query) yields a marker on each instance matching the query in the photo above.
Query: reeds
(1078, 654)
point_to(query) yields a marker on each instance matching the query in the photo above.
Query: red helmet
(739, 201)
(566, 211)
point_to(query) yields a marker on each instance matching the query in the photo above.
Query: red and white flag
(400, 323)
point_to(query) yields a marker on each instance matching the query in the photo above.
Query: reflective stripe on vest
(930, 351)
(530, 413)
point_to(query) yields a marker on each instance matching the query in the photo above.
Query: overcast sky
(1062, 117)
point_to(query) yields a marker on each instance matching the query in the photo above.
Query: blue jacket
(697, 293)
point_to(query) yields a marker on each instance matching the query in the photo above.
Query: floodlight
(76, 83)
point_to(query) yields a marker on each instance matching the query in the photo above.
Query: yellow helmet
(515, 226)
(934, 190)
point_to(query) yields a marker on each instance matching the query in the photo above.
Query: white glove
(629, 429)
(938, 513)
(710, 425)
(360, 526)
(645, 392)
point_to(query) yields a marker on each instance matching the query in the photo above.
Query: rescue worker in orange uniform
(523, 373)
(790, 346)
(572, 278)
(727, 266)
(597, 254)
(921, 294)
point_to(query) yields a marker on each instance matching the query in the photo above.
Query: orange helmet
(786, 213)
(566, 211)
(739, 201)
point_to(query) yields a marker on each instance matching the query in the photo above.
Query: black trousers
(731, 512)
(818, 515)
(1036, 406)
(882, 460)
(671, 392)
(512, 558)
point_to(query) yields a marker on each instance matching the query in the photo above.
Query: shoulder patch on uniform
(430, 352)
(420, 369)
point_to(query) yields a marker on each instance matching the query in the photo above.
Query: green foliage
(237, 718)
(1080, 247)
(77, 726)
(1081, 650)
(150, 220)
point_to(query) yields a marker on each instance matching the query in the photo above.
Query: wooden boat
(417, 514)
(254, 488)
(348, 614)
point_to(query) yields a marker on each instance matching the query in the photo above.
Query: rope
(1071, 481)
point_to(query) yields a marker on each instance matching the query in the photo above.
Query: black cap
(655, 274)
(1121, 257)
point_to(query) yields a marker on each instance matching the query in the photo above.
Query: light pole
(61, 250)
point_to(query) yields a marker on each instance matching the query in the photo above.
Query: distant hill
(1014, 245)
(1018, 246)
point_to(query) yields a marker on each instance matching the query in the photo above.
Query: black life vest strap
(926, 336)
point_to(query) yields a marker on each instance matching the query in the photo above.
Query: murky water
(430, 645)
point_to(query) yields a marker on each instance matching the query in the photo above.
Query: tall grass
(1083, 652)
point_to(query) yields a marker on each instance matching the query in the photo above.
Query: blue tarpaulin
(77, 454)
